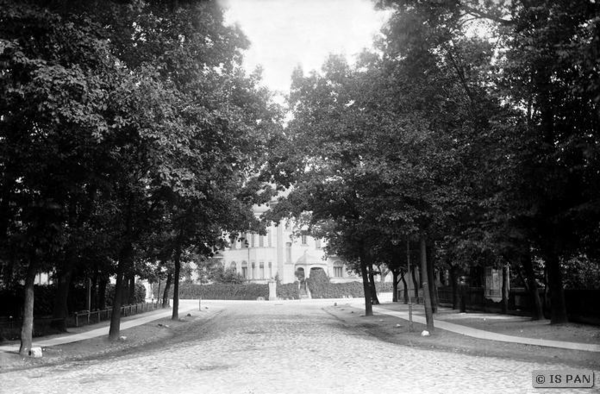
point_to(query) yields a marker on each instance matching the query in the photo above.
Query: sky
(288, 33)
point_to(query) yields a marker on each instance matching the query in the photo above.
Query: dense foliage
(473, 129)
(130, 138)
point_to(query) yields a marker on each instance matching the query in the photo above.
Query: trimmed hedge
(288, 291)
(321, 287)
(222, 291)
(384, 287)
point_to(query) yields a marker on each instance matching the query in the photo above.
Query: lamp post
(395, 242)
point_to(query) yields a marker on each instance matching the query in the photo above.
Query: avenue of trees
(132, 140)
(471, 131)
(130, 136)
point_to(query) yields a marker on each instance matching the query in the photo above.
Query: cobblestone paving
(262, 347)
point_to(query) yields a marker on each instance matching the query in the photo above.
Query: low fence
(90, 317)
(10, 327)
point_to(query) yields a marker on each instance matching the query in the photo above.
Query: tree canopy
(121, 121)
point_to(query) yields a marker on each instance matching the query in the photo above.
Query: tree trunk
(416, 286)
(453, 285)
(115, 319)
(557, 294)
(131, 292)
(405, 284)
(94, 292)
(374, 299)
(157, 291)
(102, 293)
(61, 309)
(395, 286)
(426, 292)
(366, 287)
(505, 287)
(537, 309)
(432, 283)
(177, 262)
(165, 300)
(27, 326)
(546, 289)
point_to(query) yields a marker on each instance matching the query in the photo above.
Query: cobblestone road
(262, 347)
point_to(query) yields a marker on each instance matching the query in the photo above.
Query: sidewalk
(102, 329)
(418, 317)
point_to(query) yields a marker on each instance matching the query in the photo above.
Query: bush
(229, 275)
(321, 287)
(289, 291)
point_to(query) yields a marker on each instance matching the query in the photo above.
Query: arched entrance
(300, 275)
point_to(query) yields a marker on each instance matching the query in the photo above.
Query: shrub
(288, 291)
(321, 287)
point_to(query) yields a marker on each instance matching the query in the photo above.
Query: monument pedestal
(272, 291)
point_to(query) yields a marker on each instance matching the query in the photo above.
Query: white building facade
(280, 255)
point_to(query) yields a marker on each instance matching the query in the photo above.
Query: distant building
(278, 254)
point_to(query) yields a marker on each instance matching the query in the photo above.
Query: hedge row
(319, 286)
(222, 291)
(288, 291)
(384, 287)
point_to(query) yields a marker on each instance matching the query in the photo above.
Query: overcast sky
(287, 33)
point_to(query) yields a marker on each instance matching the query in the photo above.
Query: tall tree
(52, 113)
(543, 69)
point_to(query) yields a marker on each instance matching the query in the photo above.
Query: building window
(261, 241)
(318, 243)
(304, 239)
(270, 270)
(252, 240)
(262, 270)
(245, 270)
(269, 235)
(338, 271)
(233, 267)
(253, 271)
